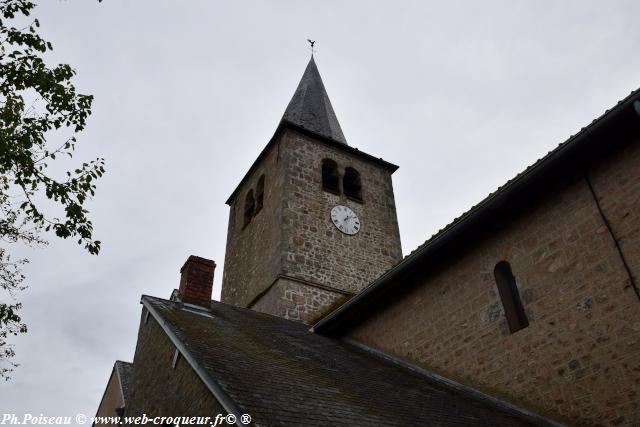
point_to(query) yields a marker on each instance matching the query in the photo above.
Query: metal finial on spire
(311, 42)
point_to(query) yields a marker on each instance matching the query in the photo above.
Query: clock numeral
(345, 219)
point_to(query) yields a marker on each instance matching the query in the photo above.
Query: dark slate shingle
(282, 374)
(124, 370)
(310, 107)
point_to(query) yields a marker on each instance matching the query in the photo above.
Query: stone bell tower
(314, 220)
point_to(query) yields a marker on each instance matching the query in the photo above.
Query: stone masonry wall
(293, 235)
(579, 358)
(252, 257)
(111, 400)
(296, 301)
(617, 184)
(160, 390)
(313, 248)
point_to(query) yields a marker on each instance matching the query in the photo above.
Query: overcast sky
(461, 95)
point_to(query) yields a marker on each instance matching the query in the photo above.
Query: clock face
(345, 220)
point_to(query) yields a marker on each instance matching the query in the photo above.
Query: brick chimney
(196, 281)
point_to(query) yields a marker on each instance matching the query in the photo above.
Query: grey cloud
(462, 95)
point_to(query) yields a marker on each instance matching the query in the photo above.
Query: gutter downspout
(616, 241)
(625, 264)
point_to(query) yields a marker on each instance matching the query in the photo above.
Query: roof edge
(104, 393)
(285, 124)
(218, 392)
(337, 144)
(310, 105)
(450, 384)
(115, 367)
(468, 219)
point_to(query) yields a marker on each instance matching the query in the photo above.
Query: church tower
(314, 220)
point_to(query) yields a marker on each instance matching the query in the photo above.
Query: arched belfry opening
(249, 208)
(330, 176)
(260, 193)
(283, 227)
(352, 184)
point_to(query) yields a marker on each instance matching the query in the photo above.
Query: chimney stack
(196, 281)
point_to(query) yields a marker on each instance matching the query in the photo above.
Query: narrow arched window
(249, 207)
(351, 184)
(330, 176)
(513, 309)
(260, 194)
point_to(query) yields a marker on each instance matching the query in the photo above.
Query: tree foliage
(38, 106)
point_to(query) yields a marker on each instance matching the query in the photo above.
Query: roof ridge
(561, 146)
(510, 185)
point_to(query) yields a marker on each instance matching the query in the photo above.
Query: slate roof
(569, 155)
(124, 370)
(310, 113)
(281, 374)
(310, 107)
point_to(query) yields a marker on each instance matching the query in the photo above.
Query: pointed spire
(310, 107)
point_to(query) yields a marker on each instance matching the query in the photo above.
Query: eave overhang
(574, 154)
(284, 125)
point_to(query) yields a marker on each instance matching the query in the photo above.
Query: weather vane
(311, 42)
